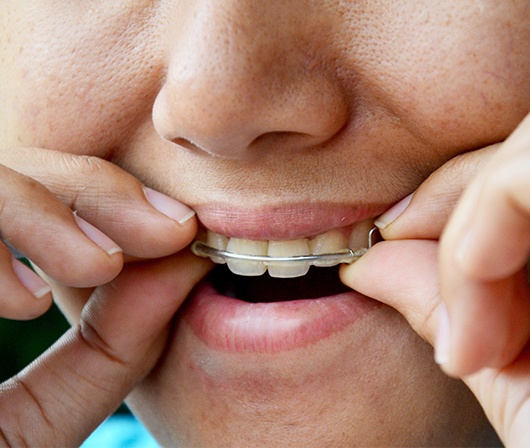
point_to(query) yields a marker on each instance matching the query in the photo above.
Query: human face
(274, 121)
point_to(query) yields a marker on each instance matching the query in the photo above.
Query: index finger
(109, 198)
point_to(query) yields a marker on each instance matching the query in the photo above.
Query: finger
(504, 397)
(24, 295)
(67, 247)
(489, 235)
(483, 256)
(423, 214)
(403, 275)
(111, 199)
(70, 301)
(88, 373)
(488, 322)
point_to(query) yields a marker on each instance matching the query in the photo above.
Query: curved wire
(347, 256)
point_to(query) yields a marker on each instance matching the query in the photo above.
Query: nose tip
(239, 122)
(201, 117)
(238, 86)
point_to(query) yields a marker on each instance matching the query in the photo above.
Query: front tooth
(288, 249)
(247, 247)
(217, 241)
(328, 243)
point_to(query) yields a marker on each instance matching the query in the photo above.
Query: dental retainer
(347, 256)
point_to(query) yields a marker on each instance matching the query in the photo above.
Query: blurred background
(23, 341)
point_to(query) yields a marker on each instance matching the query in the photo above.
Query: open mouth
(255, 305)
(267, 315)
(317, 283)
(290, 275)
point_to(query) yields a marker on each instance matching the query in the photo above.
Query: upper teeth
(329, 242)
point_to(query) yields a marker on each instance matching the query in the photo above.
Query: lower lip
(235, 326)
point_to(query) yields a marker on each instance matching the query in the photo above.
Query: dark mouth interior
(319, 282)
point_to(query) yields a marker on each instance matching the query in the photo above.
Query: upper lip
(282, 222)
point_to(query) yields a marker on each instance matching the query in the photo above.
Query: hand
(122, 324)
(39, 190)
(477, 272)
(63, 396)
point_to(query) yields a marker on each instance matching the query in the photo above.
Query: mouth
(286, 259)
(243, 265)
(253, 307)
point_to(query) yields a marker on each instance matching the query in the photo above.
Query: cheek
(456, 74)
(81, 79)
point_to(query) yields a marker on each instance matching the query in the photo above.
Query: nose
(246, 77)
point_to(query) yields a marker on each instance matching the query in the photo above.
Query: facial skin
(257, 115)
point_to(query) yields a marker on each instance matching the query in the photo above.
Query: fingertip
(392, 214)
(97, 236)
(27, 296)
(168, 206)
(30, 280)
(97, 271)
(175, 237)
(92, 267)
(347, 273)
(359, 275)
(166, 225)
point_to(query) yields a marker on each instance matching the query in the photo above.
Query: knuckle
(10, 438)
(16, 201)
(81, 168)
(94, 185)
(89, 165)
(15, 417)
(4, 439)
(463, 167)
(92, 338)
(78, 172)
(446, 185)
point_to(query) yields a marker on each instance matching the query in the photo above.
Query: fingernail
(97, 236)
(443, 337)
(168, 206)
(392, 214)
(31, 281)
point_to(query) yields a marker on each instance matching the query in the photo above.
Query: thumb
(404, 275)
(424, 214)
(62, 397)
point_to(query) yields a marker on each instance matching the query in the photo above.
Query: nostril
(216, 149)
(284, 139)
(228, 151)
(185, 143)
(267, 141)
(271, 136)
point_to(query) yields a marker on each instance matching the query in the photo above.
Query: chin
(341, 370)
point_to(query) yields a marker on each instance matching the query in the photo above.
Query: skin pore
(257, 115)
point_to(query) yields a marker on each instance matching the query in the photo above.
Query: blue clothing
(120, 431)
